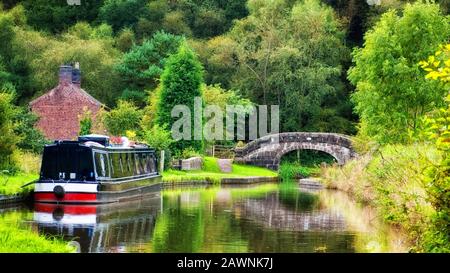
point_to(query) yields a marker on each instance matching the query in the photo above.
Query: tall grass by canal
(391, 179)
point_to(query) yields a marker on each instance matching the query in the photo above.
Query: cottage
(59, 109)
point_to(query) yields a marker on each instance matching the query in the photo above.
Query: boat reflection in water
(116, 227)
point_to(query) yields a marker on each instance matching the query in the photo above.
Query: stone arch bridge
(268, 150)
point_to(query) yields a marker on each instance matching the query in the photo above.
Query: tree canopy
(392, 94)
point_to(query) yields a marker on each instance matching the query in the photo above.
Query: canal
(259, 218)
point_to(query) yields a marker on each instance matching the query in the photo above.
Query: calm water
(260, 218)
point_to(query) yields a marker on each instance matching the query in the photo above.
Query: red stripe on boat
(69, 209)
(49, 196)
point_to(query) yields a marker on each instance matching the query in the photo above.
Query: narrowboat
(91, 170)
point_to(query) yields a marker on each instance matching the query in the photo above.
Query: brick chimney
(65, 74)
(76, 74)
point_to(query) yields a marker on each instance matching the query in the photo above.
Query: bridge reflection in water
(259, 218)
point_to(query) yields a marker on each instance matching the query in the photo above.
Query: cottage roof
(63, 91)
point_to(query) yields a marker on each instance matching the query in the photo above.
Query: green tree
(122, 13)
(180, 84)
(31, 139)
(209, 23)
(97, 59)
(392, 94)
(291, 55)
(174, 22)
(125, 117)
(8, 139)
(56, 16)
(141, 67)
(125, 40)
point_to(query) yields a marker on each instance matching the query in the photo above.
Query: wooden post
(161, 162)
(213, 150)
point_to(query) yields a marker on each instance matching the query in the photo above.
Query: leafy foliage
(85, 122)
(9, 139)
(31, 139)
(437, 177)
(291, 56)
(56, 16)
(390, 92)
(180, 84)
(126, 116)
(159, 138)
(141, 67)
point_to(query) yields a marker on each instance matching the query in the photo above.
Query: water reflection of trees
(257, 219)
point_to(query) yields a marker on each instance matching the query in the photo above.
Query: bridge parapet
(268, 150)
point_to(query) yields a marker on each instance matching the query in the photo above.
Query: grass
(17, 238)
(211, 172)
(29, 165)
(10, 185)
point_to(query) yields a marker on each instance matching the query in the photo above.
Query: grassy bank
(211, 172)
(17, 238)
(10, 185)
(29, 165)
(391, 180)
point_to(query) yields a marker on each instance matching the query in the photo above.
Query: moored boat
(91, 170)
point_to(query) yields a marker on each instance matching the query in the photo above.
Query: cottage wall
(60, 108)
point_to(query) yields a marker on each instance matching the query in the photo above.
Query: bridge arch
(268, 150)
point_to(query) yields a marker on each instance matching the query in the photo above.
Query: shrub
(295, 170)
(126, 116)
(85, 122)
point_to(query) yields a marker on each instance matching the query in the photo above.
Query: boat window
(116, 165)
(136, 164)
(121, 163)
(152, 164)
(111, 165)
(144, 163)
(129, 164)
(101, 166)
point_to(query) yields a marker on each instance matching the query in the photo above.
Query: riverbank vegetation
(409, 183)
(16, 237)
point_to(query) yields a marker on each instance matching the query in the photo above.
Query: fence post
(161, 162)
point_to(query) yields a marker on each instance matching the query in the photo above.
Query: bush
(31, 139)
(158, 137)
(85, 122)
(289, 171)
(188, 153)
(126, 116)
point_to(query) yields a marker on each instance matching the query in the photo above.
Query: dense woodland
(331, 65)
(375, 69)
